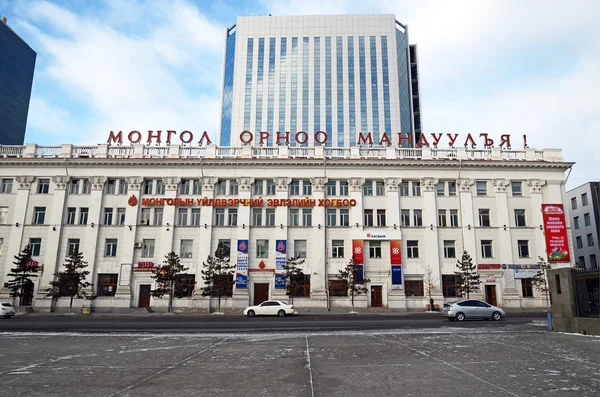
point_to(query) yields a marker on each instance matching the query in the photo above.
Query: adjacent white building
(125, 208)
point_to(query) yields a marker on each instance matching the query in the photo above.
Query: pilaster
(537, 219)
(355, 186)
(504, 245)
(242, 295)
(432, 243)
(317, 246)
(467, 217)
(90, 244)
(169, 215)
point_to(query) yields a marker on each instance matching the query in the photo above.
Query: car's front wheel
(496, 316)
(460, 316)
(251, 313)
(281, 313)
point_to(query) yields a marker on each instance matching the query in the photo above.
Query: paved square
(513, 361)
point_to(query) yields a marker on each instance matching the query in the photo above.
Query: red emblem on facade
(242, 246)
(281, 246)
(261, 264)
(133, 201)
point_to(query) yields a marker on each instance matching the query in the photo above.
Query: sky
(519, 67)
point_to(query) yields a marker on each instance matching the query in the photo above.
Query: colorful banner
(557, 242)
(358, 251)
(280, 255)
(526, 273)
(359, 273)
(395, 252)
(241, 277)
(397, 277)
(279, 281)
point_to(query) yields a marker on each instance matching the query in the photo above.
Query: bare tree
(540, 280)
(428, 281)
(354, 280)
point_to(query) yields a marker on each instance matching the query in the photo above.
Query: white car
(7, 310)
(270, 308)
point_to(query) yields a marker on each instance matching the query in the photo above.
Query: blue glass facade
(401, 48)
(260, 71)
(248, 92)
(317, 85)
(328, 94)
(282, 78)
(340, 89)
(351, 95)
(271, 99)
(294, 87)
(363, 83)
(305, 52)
(387, 122)
(374, 88)
(17, 64)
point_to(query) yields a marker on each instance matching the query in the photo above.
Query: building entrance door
(144, 300)
(376, 296)
(490, 294)
(261, 293)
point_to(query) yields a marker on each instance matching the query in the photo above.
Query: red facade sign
(358, 251)
(557, 242)
(395, 252)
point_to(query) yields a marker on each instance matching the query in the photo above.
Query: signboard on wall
(144, 266)
(241, 270)
(557, 242)
(525, 273)
(397, 277)
(280, 255)
(279, 281)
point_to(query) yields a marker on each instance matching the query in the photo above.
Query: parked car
(471, 308)
(270, 308)
(7, 310)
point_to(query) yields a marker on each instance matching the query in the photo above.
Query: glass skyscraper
(17, 63)
(339, 74)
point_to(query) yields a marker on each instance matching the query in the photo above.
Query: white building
(584, 212)
(435, 202)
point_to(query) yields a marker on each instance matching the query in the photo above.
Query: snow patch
(218, 313)
(19, 373)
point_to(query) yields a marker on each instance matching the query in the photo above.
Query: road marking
(312, 387)
(452, 366)
(168, 368)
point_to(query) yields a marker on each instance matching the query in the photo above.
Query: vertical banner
(557, 242)
(280, 262)
(358, 248)
(396, 263)
(241, 271)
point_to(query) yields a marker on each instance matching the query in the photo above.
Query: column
(504, 245)
(537, 219)
(169, 215)
(467, 218)
(205, 242)
(396, 297)
(92, 248)
(52, 262)
(355, 186)
(432, 243)
(316, 249)
(282, 218)
(14, 243)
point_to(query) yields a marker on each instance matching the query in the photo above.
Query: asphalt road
(171, 323)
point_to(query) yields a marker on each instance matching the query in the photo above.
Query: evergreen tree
(467, 276)
(71, 282)
(218, 274)
(21, 274)
(354, 280)
(167, 277)
(541, 279)
(292, 274)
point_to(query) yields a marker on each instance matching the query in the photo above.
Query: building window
(379, 189)
(294, 217)
(449, 249)
(83, 216)
(338, 288)
(576, 222)
(303, 286)
(122, 186)
(345, 217)
(74, 186)
(300, 248)
(412, 248)
(584, 200)
(331, 188)
(403, 188)
(368, 218)
(160, 188)
(107, 284)
(520, 219)
(574, 203)
(147, 189)
(43, 186)
(262, 248)
(307, 217)
(306, 188)
(110, 247)
(226, 247)
(195, 217)
(440, 189)
(145, 216)
(590, 240)
(182, 216)
(257, 214)
(39, 215)
(593, 264)
(381, 218)
(148, 248)
(581, 261)
(413, 288)
(197, 188)
(405, 218)
(271, 188)
(233, 188)
(186, 248)
(516, 188)
(368, 188)
(527, 287)
(232, 214)
(257, 188)
(221, 188)
(374, 249)
(108, 216)
(220, 216)
(36, 246)
(451, 188)
(418, 217)
(331, 217)
(416, 189)
(87, 187)
(6, 185)
(158, 216)
(450, 286)
(523, 246)
(587, 219)
(442, 222)
(486, 249)
(295, 188)
(3, 215)
(579, 241)
(1, 244)
(121, 215)
(111, 186)
(71, 216)
(484, 217)
(481, 188)
(343, 188)
(184, 187)
(270, 216)
(454, 218)
(337, 249)
(185, 286)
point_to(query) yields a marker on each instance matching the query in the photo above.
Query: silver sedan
(471, 308)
